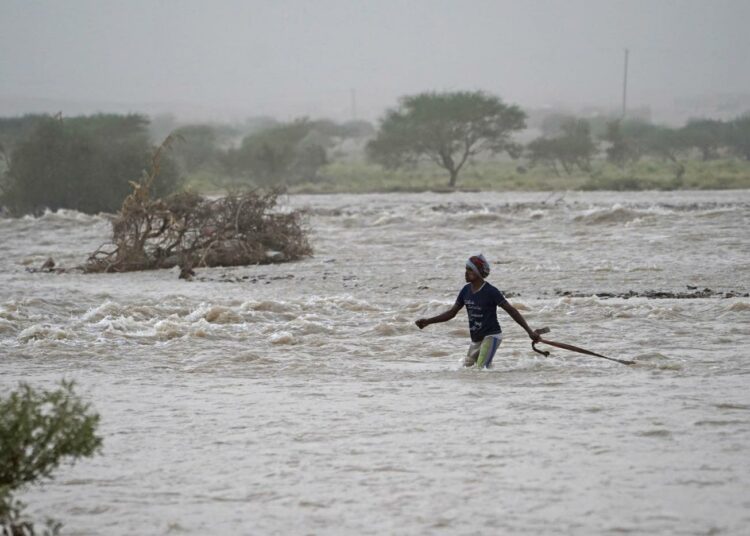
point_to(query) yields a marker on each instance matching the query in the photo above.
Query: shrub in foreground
(39, 429)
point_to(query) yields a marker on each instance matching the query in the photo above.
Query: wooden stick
(573, 349)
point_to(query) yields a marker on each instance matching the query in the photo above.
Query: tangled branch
(189, 230)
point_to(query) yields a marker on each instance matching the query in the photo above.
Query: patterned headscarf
(479, 265)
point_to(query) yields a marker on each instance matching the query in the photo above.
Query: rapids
(301, 399)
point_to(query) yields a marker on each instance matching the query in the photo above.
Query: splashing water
(302, 398)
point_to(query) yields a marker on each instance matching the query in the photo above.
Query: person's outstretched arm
(520, 320)
(443, 317)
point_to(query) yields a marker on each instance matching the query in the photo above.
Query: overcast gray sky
(290, 58)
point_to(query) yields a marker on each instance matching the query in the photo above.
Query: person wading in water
(481, 300)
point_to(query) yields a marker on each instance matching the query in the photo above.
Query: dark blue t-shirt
(482, 309)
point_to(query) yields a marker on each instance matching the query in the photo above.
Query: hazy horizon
(344, 59)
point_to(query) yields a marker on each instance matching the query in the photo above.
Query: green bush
(82, 163)
(39, 429)
(571, 147)
(285, 154)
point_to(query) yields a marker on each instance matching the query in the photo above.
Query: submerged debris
(186, 273)
(47, 267)
(693, 292)
(190, 231)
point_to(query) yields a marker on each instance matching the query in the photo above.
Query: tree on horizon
(446, 128)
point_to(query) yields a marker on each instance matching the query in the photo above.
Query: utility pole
(625, 86)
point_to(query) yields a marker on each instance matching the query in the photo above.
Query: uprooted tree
(188, 230)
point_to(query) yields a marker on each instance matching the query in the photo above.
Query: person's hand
(421, 323)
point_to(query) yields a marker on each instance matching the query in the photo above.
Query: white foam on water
(214, 314)
(282, 338)
(231, 406)
(38, 332)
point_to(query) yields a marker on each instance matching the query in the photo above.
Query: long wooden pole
(625, 86)
(573, 349)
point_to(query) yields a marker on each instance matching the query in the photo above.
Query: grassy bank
(361, 177)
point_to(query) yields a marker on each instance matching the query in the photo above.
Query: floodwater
(301, 399)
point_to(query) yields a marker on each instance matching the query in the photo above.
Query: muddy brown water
(301, 399)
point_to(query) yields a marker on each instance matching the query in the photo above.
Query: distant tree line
(567, 142)
(87, 163)
(449, 129)
(276, 154)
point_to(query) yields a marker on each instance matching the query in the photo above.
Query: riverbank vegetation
(79, 163)
(506, 175)
(572, 153)
(429, 141)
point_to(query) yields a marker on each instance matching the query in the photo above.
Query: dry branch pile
(188, 230)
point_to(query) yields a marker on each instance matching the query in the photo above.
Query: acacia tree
(446, 128)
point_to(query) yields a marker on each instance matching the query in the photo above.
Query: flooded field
(301, 399)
